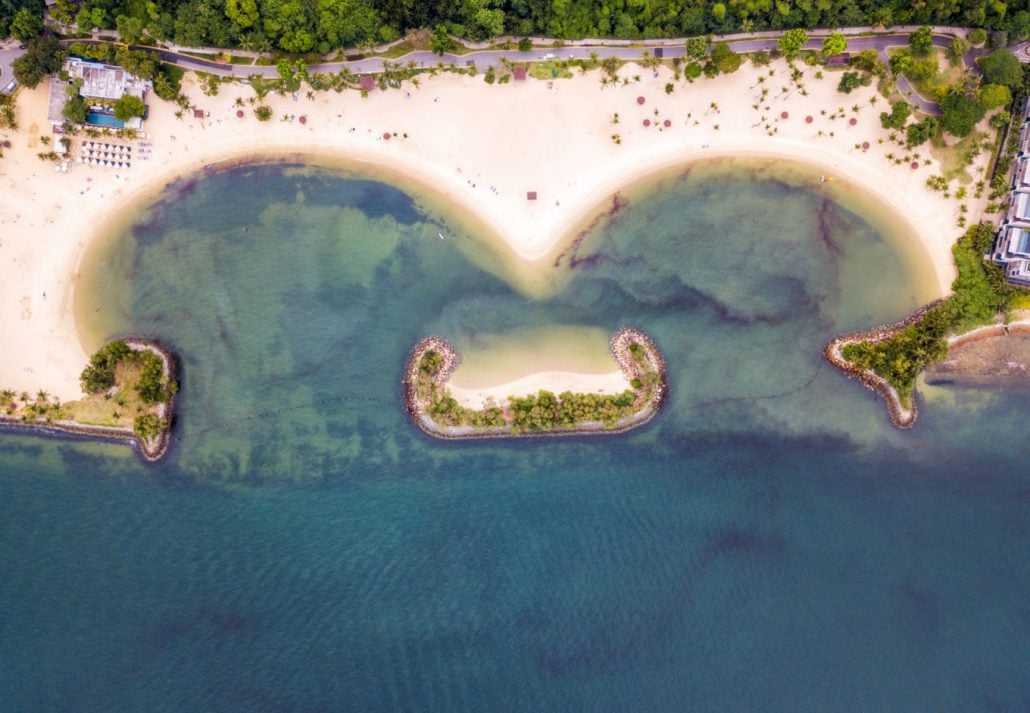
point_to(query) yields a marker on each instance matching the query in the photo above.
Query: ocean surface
(768, 543)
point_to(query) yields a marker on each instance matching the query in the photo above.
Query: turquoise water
(98, 119)
(768, 543)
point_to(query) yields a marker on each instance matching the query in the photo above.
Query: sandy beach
(481, 148)
(613, 382)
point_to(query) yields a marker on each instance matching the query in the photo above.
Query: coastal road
(484, 59)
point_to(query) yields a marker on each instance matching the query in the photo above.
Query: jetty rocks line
(151, 449)
(900, 416)
(619, 344)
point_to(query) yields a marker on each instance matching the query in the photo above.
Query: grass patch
(551, 69)
(241, 60)
(955, 159)
(932, 83)
(119, 409)
(398, 50)
(1020, 301)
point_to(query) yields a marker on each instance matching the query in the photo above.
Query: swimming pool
(98, 119)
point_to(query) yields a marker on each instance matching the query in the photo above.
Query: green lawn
(551, 69)
(952, 158)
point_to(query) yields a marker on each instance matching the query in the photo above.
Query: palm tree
(25, 397)
(42, 396)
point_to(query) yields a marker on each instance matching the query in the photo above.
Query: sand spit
(620, 345)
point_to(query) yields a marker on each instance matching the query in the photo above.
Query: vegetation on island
(980, 296)
(126, 389)
(542, 412)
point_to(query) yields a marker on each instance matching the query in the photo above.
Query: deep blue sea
(768, 543)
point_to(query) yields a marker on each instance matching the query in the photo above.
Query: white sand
(464, 137)
(613, 382)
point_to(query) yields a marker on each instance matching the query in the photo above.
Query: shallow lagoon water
(769, 542)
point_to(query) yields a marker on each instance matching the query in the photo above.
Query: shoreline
(449, 155)
(620, 345)
(150, 450)
(900, 416)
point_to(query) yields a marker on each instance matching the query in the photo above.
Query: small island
(129, 386)
(432, 406)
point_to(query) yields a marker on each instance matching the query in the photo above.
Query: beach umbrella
(668, 123)
(865, 145)
(386, 135)
(915, 165)
(808, 119)
(303, 119)
(784, 115)
(640, 100)
(239, 113)
(853, 121)
(647, 122)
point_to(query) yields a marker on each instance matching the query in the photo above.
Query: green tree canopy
(791, 41)
(44, 56)
(725, 60)
(1002, 67)
(960, 113)
(697, 47)
(26, 25)
(900, 111)
(921, 41)
(957, 49)
(835, 44)
(127, 107)
(75, 110)
(921, 131)
(993, 96)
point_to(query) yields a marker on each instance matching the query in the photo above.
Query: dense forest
(323, 25)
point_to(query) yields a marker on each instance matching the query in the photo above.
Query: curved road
(492, 58)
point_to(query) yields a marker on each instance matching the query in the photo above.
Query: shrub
(960, 113)
(850, 81)
(98, 376)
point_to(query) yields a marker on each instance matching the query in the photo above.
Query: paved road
(7, 58)
(493, 58)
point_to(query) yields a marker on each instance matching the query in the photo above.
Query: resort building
(1021, 177)
(1012, 252)
(1019, 208)
(101, 86)
(1024, 141)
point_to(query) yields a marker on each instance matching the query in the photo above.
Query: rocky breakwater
(432, 362)
(902, 415)
(52, 419)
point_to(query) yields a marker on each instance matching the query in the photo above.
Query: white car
(550, 55)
